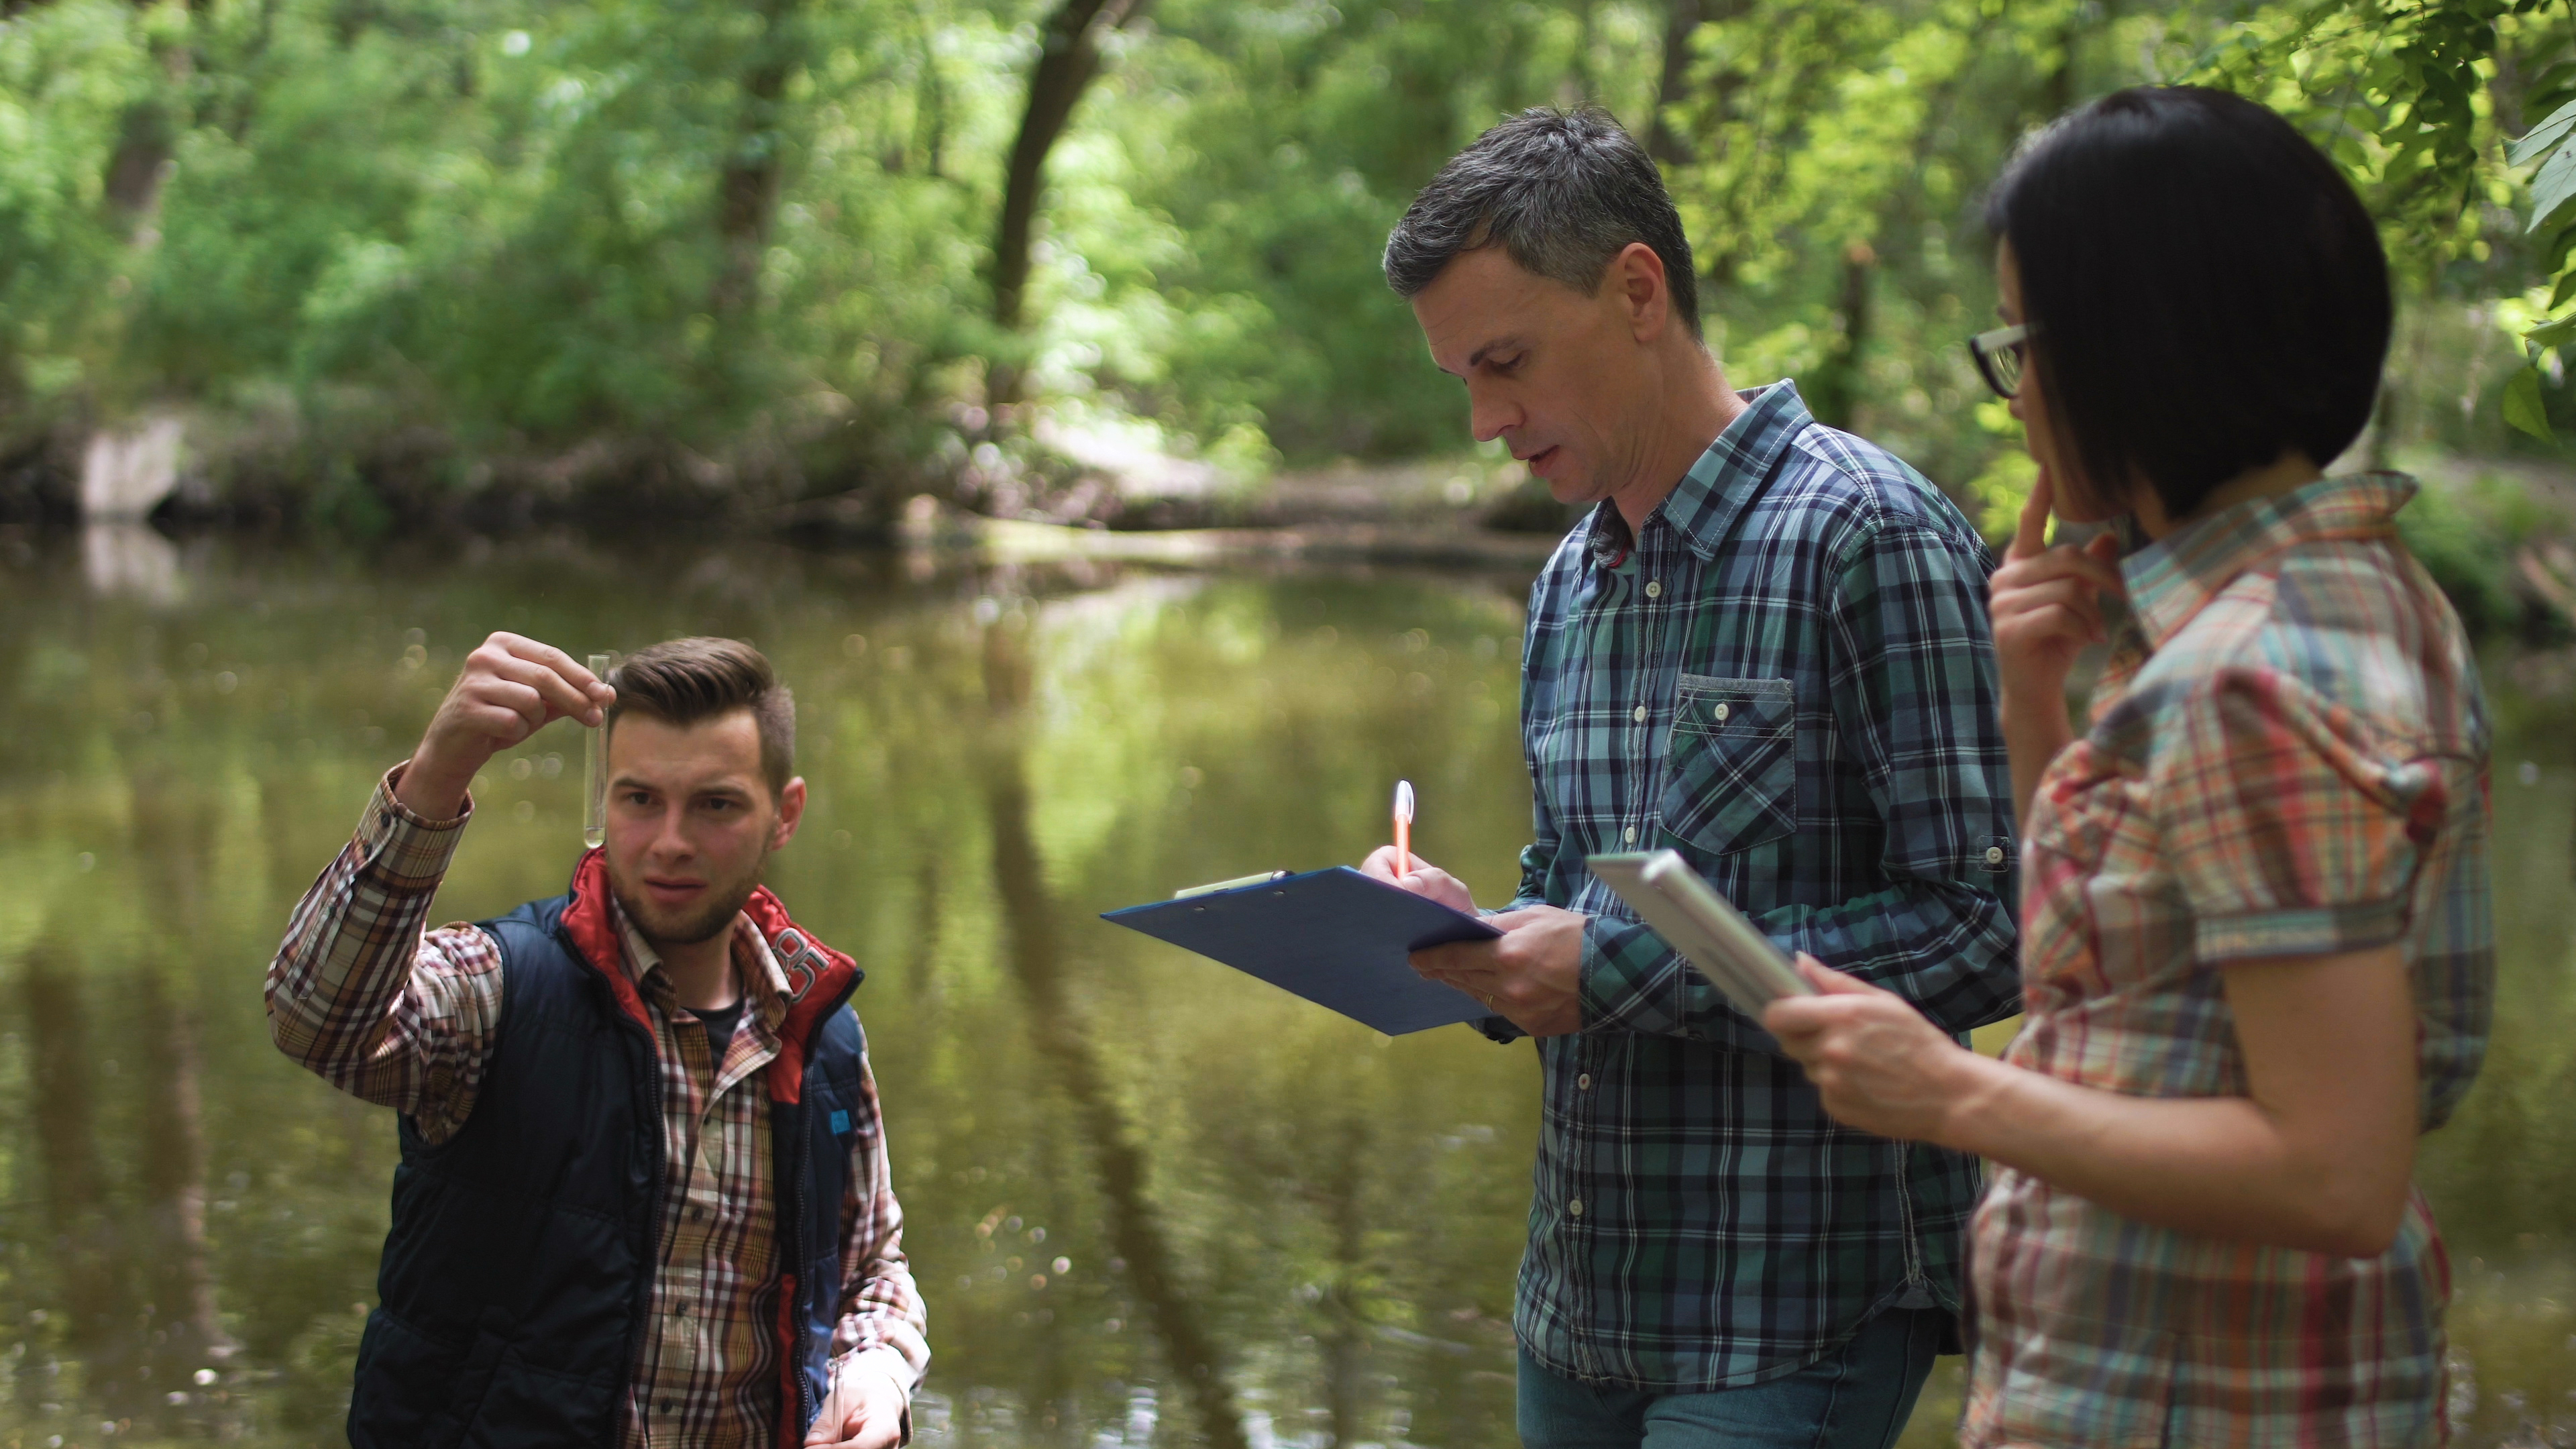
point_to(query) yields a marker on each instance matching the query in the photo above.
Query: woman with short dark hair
(2257, 939)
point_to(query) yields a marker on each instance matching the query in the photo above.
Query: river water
(1149, 1201)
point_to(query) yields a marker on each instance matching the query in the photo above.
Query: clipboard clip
(1238, 883)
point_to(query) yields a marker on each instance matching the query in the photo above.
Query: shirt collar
(2173, 578)
(764, 983)
(1704, 505)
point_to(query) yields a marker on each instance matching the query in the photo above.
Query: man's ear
(1644, 295)
(791, 813)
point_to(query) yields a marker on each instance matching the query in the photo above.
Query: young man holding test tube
(1766, 648)
(643, 1196)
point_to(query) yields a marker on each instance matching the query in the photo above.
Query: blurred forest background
(399, 261)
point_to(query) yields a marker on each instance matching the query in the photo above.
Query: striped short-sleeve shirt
(2287, 757)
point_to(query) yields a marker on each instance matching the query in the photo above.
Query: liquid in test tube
(594, 820)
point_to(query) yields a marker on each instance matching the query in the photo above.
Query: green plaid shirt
(1786, 676)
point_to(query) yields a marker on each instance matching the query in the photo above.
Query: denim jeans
(1856, 1398)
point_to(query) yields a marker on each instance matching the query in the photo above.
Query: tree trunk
(747, 192)
(149, 134)
(1066, 65)
(1835, 396)
(134, 171)
(1664, 141)
(2386, 415)
(930, 107)
(1579, 87)
(2057, 89)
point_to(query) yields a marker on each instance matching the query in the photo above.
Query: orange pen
(1404, 827)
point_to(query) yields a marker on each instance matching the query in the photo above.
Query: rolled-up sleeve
(1912, 688)
(367, 1000)
(882, 1329)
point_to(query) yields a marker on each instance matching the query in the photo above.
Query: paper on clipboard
(1699, 923)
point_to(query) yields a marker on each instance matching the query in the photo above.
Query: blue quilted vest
(520, 1261)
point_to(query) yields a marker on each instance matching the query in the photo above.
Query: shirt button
(1638, 714)
(1584, 1082)
(1654, 590)
(1994, 855)
(1575, 1207)
(667, 1406)
(1720, 712)
(1629, 835)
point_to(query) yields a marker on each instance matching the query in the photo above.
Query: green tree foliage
(1845, 148)
(2416, 101)
(412, 250)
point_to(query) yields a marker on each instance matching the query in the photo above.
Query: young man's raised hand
(510, 688)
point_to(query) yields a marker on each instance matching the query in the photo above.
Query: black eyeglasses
(1999, 357)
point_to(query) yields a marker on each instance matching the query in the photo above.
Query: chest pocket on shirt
(1731, 765)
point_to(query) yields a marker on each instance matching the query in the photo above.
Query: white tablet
(1699, 923)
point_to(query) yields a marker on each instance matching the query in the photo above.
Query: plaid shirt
(1788, 679)
(2286, 758)
(360, 995)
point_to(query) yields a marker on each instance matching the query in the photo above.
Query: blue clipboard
(1334, 937)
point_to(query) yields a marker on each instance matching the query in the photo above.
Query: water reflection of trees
(1300, 1286)
(1135, 1229)
(61, 1061)
(129, 1253)
(1056, 1026)
(1329, 1223)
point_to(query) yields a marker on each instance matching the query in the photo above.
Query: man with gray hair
(1765, 647)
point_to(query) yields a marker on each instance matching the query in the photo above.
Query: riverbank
(2498, 534)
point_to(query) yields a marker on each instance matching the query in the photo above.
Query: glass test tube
(594, 820)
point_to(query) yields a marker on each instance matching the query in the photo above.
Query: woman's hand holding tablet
(1710, 933)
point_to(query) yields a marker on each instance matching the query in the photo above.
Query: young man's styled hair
(2206, 290)
(1562, 192)
(683, 682)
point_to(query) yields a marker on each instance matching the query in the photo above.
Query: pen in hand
(1403, 828)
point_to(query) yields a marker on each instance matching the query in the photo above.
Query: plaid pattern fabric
(1786, 676)
(401, 1018)
(2287, 757)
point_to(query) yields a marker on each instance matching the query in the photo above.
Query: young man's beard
(725, 900)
